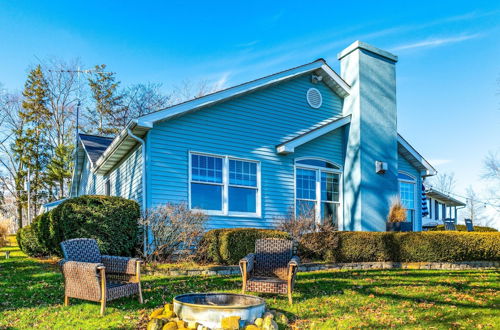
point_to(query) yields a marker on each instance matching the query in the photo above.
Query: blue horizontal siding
(125, 178)
(249, 127)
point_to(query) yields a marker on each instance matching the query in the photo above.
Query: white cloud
(435, 42)
(222, 81)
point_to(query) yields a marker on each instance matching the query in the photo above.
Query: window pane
(329, 187)
(206, 196)
(407, 194)
(305, 208)
(306, 184)
(317, 162)
(242, 199)
(409, 215)
(206, 168)
(242, 173)
(329, 213)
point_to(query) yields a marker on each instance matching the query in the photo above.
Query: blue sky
(448, 70)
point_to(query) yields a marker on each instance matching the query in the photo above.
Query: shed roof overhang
(290, 145)
(415, 159)
(442, 197)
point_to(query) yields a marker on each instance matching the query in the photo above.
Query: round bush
(27, 239)
(111, 221)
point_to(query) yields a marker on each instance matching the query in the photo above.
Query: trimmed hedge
(408, 247)
(464, 228)
(112, 221)
(228, 246)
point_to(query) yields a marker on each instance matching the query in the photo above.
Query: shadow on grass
(27, 283)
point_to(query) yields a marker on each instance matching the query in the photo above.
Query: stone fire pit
(209, 309)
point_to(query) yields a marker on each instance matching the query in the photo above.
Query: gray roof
(95, 145)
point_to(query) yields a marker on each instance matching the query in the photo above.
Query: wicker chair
(271, 269)
(91, 276)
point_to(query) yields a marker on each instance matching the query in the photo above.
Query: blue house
(304, 139)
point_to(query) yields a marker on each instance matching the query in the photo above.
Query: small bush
(397, 211)
(297, 225)
(228, 246)
(464, 228)
(3, 233)
(27, 239)
(320, 245)
(174, 229)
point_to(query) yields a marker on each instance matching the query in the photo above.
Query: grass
(31, 296)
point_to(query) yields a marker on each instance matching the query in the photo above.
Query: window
(224, 186)
(436, 210)
(317, 190)
(407, 185)
(242, 186)
(107, 188)
(206, 182)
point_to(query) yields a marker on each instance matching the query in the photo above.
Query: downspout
(143, 181)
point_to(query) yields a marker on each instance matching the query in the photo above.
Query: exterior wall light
(380, 167)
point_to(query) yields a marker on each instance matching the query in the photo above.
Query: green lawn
(31, 295)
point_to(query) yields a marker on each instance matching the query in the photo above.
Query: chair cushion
(118, 290)
(81, 249)
(267, 285)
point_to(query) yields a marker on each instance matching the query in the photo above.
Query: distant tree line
(37, 126)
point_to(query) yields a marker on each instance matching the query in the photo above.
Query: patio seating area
(32, 291)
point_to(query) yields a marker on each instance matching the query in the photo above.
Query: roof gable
(94, 145)
(318, 67)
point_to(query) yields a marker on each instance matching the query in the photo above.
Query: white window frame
(107, 187)
(415, 200)
(318, 200)
(225, 186)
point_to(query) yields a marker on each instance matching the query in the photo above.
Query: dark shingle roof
(95, 145)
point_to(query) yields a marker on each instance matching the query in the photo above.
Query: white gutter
(143, 181)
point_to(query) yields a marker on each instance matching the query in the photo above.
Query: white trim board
(289, 146)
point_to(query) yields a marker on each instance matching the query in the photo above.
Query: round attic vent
(314, 98)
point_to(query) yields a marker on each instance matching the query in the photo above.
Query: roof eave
(290, 145)
(427, 169)
(114, 145)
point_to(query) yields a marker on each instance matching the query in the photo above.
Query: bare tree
(491, 173)
(12, 171)
(141, 99)
(474, 208)
(188, 90)
(64, 90)
(444, 182)
(491, 166)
